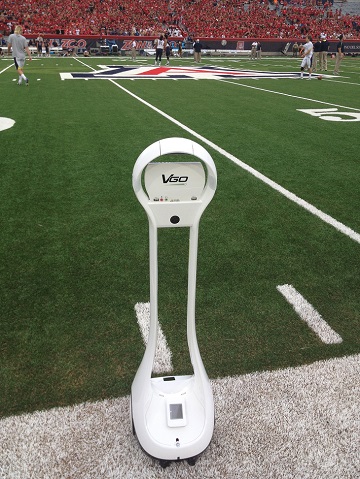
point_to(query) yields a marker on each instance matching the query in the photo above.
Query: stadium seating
(188, 18)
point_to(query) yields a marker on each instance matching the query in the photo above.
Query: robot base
(175, 425)
(164, 463)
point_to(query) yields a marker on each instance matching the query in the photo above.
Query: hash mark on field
(308, 314)
(162, 361)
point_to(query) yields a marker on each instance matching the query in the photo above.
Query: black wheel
(192, 461)
(164, 464)
(133, 427)
(132, 419)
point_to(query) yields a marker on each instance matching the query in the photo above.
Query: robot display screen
(176, 411)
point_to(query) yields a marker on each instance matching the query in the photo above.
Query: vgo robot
(173, 416)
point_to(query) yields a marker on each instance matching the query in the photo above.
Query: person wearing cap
(197, 51)
(324, 48)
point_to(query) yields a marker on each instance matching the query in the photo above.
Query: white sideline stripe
(291, 196)
(308, 314)
(162, 360)
(290, 423)
(85, 64)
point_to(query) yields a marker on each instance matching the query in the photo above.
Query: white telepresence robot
(173, 416)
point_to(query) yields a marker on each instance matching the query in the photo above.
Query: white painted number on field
(162, 361)
(332, 114)
(308, 314)
(6, 123)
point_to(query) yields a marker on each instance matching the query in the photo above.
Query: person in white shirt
(133, 50)
(253, 50)
(307, 53)
(159, 45)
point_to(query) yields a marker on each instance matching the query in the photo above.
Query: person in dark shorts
(197, 51)
(167, 50)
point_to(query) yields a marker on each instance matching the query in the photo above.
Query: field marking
(291, 196)
(344, 82)
(4, 70)
(162, 360)
(85, 64)
(288, 194)
(288, 95)
(297, 422)
(331, 114)
(309, 314)
(6, 123)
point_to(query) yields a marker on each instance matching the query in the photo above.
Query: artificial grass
(74, 239)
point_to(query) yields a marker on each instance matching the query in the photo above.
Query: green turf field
(74, 239)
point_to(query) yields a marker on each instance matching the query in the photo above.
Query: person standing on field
(133, 50)
(39, 44)
(197, 51)
(253, 50)
(19, 46)
(316, 55)
(339, 54)
(180, 48)
(258, 51)
(307, 57)
(167, 52)
(295, 49)
(324, 52)
(159, 45)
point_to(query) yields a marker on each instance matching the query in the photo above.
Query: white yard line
(162, 361)
(288, 194)
(288, 95)
(309, 314)
(4, 70)
(85, 64)
(291, 196)
(338, 81)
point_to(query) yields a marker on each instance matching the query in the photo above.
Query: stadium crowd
(182, 18)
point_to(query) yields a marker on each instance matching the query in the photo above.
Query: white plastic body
(173, 417)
